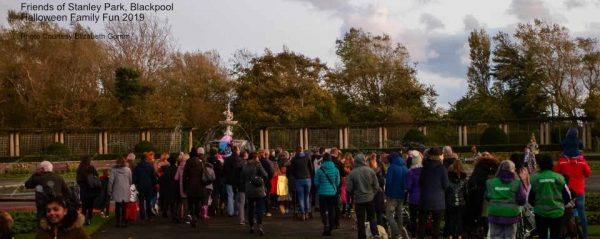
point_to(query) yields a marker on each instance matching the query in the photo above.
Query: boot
(205, 212)
(326, 231)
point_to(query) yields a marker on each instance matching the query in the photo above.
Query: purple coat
(412, 185)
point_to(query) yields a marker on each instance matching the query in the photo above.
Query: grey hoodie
(362, 182)
(119, 183)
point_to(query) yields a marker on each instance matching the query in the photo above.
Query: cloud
(431, 22)
(526, 10)
(570, 4)
(450, 89)
(471, 23)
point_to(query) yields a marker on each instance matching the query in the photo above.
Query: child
(103, 200)
(283, 195)
(132, 206)
(455, 200)
(6, 223)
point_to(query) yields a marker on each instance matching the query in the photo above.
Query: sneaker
(268, 214)
(251, 230)
(242, 223)
(260, 231)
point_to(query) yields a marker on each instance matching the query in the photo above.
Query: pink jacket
(179, 177)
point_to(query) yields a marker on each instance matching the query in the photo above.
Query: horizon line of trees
(142, 81)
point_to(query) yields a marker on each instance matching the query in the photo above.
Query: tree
(375, 81)
(478, 74)
(284, 88)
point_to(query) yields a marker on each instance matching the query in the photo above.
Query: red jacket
(274, 184)
(577, 169)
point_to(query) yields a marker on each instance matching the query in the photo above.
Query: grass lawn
(97, 222)
(11, 176)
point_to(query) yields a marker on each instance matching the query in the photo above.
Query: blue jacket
(396, 177)
(323, 185)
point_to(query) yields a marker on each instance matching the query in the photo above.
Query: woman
(548, 196)
(61, 222)
(449, 156)
(240, 200)
(414, 191)
(348, 161)
(194, 186)
(476, 213)
(182, 199)
(378, 201)
(455, 200)
(89, 186)
(327, 183)
(433, 183)
(506, 195)
(119, 188)
(254, 178)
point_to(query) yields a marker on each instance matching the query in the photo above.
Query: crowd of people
(378, 191)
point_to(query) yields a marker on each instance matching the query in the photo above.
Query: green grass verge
(97, 222)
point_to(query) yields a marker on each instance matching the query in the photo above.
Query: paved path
(224, 227)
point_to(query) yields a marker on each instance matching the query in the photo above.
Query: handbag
(93, 181)
(257, 181)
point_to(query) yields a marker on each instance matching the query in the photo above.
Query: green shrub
(414, 135)
(144, 146)
(493, 135)
(24, 222)
(58, 149)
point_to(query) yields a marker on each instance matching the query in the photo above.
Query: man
(394, 190)
(301, 170)
(362, 185)
(230, 169)
(269, 167)
(46, 184)
(575, 166)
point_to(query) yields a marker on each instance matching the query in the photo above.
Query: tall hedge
(493, 135)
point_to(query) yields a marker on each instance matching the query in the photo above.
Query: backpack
(93, 181)
(208, 175)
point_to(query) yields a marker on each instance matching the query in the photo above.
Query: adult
(168, 189)
(414, 190)
(505, 194)
(268, 166)
(89, 186)
(230, 168)
(395, 192)
(218, 186)
(254, 178)
(449, 156)
(301, 170)
(379, 200)
(240, 200)
(433, 184)
(144, 178)
(575, 166)
(341, 197)
(61, 221)
(476, 213)
(182, 202)
(119, 185)
(327, 183)
(194, 186)
(362, 185)
(46, 183)
(548, 196)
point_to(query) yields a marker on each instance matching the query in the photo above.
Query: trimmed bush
(144, 146)
(58, 149)
(414, 135)
(493, 135)
(24, 222)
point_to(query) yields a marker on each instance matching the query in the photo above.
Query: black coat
(144, 178)
(85, 190)
(169, 188)
(192, 178)
(231, 169)
(433, 184)
(484, 169)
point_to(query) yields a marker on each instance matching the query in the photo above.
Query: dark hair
(72, 213)
(545, 161)
(517, 159)
(252, 156)
(86, 162)
(121, 160)
(84, 168)
(326, 157)
(435, 151)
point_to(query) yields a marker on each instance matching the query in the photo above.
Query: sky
(434, 31)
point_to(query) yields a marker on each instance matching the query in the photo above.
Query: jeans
(580, 208)
(503, 231)
(256, 207)
(303, 192)
(241, 203)
(327, 206)
(393, 208)
(435, 224)
(145, 206)
(543, 224)
(361, 208)
(230, 199)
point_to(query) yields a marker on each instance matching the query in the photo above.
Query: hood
(396, 159)
(120, 169)
(328, 165)
(77, 223)
(506, 176)
(359, 161)
(572, 134)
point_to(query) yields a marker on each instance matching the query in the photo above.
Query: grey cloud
(471, 23)
(570, 4)
(526, 10)
(431, 22)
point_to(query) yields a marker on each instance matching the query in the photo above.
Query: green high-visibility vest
(548, 186)
(502, 198)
